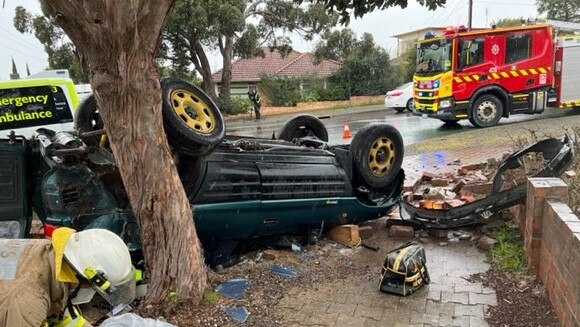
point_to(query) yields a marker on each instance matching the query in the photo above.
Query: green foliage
(346, 8)
(281, 90)
(236, 28)
(60, 51)
(508, 22)
(211, 297)
(336, 45)
(407, 65)
(565, 10)
(367, 67)
(508, 253)
(234, 105)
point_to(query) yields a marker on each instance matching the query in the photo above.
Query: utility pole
(469, 15)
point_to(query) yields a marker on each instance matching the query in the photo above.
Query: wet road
(414, 129)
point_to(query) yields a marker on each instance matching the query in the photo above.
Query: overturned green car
(240, 188)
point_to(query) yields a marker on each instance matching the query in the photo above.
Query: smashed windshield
(434, 56)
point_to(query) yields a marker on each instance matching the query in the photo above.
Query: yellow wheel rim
(193, 111)
(381, 156)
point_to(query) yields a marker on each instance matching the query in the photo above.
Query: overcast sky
(25, 49)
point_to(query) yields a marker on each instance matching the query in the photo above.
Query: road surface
(414, 129)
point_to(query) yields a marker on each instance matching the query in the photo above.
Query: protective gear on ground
(404, 270)
(102, 258)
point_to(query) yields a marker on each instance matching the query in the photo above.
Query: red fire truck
(484, 75)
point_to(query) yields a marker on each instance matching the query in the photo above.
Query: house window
(518, 47)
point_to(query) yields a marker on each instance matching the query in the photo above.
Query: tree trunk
(203, 67)
(117, 41)
(227, 51)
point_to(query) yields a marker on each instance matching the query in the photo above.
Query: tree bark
(227, 50)
(117, 41)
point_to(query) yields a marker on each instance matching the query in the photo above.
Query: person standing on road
(256, 101)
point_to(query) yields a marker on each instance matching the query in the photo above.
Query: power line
(18, 40)
(24, 54)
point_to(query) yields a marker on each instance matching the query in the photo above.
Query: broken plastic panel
(238, 314)
(233, 288)
(558, 155)
(283, 271)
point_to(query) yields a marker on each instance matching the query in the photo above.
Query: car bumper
(455, 112)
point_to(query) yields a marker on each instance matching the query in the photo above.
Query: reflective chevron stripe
(503, 74)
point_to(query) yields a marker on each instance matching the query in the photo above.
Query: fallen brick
(408, 196)
(472, 166)
(427, 176)
(462, 171)
(426, 204)
(401, 231)
(454, 203)
(439, 205)
(468, 198)
(480, 176)
(347, 235)
(570, 174)
(439, 182)
(478, 188)
(417, 196)
(458, 186)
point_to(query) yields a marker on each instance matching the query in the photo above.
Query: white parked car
(400, 98)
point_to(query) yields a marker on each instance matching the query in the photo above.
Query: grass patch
(508, 253)
(211, 297)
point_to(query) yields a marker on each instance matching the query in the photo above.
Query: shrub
(508, 253)
(281, 90)
(234, 105)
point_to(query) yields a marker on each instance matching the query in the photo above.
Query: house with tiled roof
(247, 72)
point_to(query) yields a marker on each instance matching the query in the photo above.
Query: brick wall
(552, 244)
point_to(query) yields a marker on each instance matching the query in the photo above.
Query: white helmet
(102, 258)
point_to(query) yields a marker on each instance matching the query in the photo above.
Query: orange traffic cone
(346, 131)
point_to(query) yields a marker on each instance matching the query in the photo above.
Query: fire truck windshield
(433, 56)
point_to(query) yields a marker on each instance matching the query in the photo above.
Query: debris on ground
(133, 320)
(477, 191)
(233, 288)
(238, 314)
(347, 235)
(486, 243)
(283, 271)
(522, 300)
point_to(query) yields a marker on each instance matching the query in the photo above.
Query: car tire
(192, 121)
(399, 109)
(486, 111)
(377, 150)
(410, 105)
(303, 126)
(87, 119)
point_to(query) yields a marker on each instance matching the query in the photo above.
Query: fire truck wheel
(377, 152)
(486, 111)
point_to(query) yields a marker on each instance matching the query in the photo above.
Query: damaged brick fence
(552, 244)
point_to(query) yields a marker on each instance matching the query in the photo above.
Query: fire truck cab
(484, 75)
